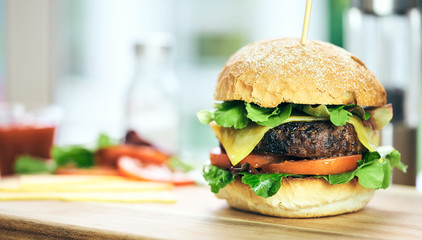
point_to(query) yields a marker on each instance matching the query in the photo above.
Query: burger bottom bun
(300, 198)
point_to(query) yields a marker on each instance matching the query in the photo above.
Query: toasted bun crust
(282, 70)
(300, 198)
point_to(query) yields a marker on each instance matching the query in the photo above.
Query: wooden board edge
(14, 227)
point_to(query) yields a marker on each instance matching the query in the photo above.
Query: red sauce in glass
(20, 140)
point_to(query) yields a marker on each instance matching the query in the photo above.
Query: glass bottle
(152, 108)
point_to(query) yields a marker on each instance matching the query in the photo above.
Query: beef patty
(317, 139)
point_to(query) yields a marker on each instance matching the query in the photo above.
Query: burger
(298, 131)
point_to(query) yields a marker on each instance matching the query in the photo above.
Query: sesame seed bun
(282, 70)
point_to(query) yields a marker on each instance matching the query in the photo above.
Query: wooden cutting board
(395, 213)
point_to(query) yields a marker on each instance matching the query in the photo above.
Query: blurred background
(150, 65)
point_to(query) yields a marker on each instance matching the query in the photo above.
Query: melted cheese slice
(366, 135)
(239, 143)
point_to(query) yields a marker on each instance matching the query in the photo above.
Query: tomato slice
(109, 156)
(221, 160)
(327, 166)
(136, 169)
(274, 164)
(106, 171)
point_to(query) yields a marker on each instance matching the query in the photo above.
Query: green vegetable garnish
(231, 114)
(239, 114)
(339, 116)
(270, 117)
(176, 163)
(217, 178)
(30, 165)
(74, 156)
(264, 185)
(373, 171)
(105, 141)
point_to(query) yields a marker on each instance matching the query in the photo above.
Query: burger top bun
(282, 70)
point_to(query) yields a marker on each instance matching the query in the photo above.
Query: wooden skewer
(306, 22)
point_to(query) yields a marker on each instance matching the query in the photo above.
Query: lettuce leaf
(31, 165)
(205, 116)
(357, 111)
(319, 111)
(380, 116)
(231, 114)
(239, 114)
(63, 156)
(279, 118)
(373, 172)
(217, 178)
(265, 185)
(104, 141)
(375, 175)
(77, 156)
(260, 114)
(339, 116)
(394, 160)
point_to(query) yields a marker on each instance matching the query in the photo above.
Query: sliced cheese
(366, 135)
(62, 180)
(56, 183)
(84, 188)
(239, 143)
(121, 197)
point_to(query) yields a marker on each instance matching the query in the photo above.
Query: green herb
(176, 163)
(79, 156)
(231, 114)
(105, 141)
(320, 111)
(217, 178)
(260, 114)
(76, 156)
(31, 165)
(340, 178)
(375, 175)
(274, 120)
(394, 160)
(205, 117)
(238, 114)
(73, 156)
(369, 157)
(265, 185)
(339, 116)
(373, 171)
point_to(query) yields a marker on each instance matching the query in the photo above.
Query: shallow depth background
(79, 54)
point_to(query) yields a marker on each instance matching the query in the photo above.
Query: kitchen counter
(395, 213)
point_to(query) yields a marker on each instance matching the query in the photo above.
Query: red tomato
(221, 160)
(272, 164)
(327, 166)
(108, 156)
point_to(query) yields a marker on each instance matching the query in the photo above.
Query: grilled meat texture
(311, 140)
